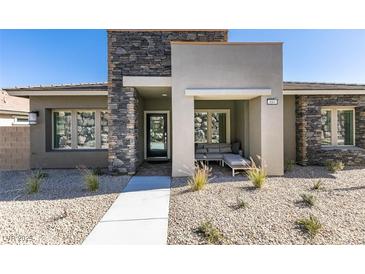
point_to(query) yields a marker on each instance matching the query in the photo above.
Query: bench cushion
(201, 150)
(217, 156)
(213, 150)
(200, 156)
(235, 160)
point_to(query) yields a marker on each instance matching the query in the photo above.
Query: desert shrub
(98, 171)
(311, 225)
(308, 199)
(91, 181)
(210, 233)
(60, 216)
(241, 203)
(40, 174)
(200, 178)
(257, 175)
(317, 185)
(334, 166)
(289, 165)
(33, 184)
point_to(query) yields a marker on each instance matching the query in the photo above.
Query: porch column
(272, 134)
(182, 133)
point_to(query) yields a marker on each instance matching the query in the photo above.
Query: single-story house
(170, 91)
(13, 110)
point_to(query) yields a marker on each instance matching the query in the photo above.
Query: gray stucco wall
(228, 66)
(42, 155)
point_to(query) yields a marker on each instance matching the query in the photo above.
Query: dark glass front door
(156, 127)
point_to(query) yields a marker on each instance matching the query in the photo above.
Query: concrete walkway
(138, 216)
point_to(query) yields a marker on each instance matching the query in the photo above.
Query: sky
(34, 57)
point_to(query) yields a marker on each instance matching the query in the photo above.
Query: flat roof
(164, 30)
(98, 86)
(322, 86)
(224, 43)
(101, 88)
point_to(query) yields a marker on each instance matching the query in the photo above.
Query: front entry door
(157, 139)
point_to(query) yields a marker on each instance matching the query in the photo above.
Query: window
(80, 129)
(62, 130)
(86, 129)
(326, 127)
(21, 120)
(337, 126)
(212, 126)
(201, 127)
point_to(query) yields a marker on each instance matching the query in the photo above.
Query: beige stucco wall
(41, 152)
(227, 66)
(289, 128)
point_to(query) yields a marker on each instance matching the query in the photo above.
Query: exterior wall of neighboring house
(138, 53)
(228, 66)
(289, 129)
(12, 108)
(14, 148)
(308, 130)
(6, 120)
(42, 153)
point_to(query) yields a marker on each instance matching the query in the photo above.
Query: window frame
(17, 122)
(209, 119)
(334, 123)
(74, 143)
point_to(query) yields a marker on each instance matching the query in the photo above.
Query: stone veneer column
(301, 129)
(123, 130)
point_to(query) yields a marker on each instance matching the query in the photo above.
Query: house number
(272, 101)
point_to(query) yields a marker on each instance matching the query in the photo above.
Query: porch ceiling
(226, 94)
(154, 92)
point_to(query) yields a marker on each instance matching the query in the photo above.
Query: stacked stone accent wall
(138, 53)
(308, 130)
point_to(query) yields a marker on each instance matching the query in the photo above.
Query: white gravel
(63, 212)
(272, 211)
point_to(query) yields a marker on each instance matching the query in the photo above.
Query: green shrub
(98, 171)
(33, 184)
(257, 175)
(200, 177)
(40, 174)
(289, 165)
(308, 199)
(241, 203)
(211, 234)
(334, 166)
(317, 185)
(91, 181)
(311, 225)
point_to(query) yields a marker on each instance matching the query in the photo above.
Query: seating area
(225, 154)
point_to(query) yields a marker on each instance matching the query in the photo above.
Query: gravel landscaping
(62, 212)
(272, 212)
